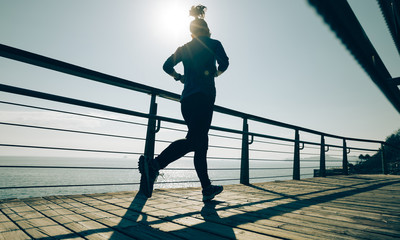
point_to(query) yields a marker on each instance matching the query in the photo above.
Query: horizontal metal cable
(61, 186)
(270, 160)
(336, 150)
(192, 169)
(270, 168)
(223, 147)
(335, 155)
(270, 177)
(87, 104)
(269, 151)
(190, 156)
(67, 149)
(73, 113)
(68, 167)
(334, 146)
(224, 158)
(237, 159)
(308, 147)
(71, 131)
(210, 134)
(197, 181)
(281, 144)
(210, 146)
(135, 168)
(173, 129)
(124, 168)
(77, 102)
(117, 168)
(310, 154)
(362, 149)
(251, 159)
(223, 136)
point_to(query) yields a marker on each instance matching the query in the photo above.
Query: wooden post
(322, 169)
(244, 167)
(151, 129)
(296, 160)
(345, 163)
(384, 162)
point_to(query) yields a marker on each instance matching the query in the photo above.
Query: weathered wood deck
(340, 207)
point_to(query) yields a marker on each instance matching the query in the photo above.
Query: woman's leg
(198, 115)
(197, 110)
(174, 151)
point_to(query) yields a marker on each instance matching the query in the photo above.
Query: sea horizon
(90, 175)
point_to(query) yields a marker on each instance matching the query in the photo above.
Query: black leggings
(197, 111)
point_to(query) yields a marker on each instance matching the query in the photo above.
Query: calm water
(10, 177)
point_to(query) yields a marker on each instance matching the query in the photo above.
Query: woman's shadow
(210, 216)
(213, 224)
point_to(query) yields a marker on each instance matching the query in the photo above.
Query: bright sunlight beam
(172, 21)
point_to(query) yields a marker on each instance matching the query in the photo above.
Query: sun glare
(172, 21)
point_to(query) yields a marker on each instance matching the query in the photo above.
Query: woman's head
(199, 27)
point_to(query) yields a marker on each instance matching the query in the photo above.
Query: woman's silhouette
(199, 58)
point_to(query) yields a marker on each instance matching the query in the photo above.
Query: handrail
(47, 96)
(60, 66)
(153, 127)
(32, 93)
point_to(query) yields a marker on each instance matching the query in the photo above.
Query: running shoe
(149, 171)
(211, 191)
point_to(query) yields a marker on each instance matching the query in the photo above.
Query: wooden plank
(34, 223)
(108, 217)
(284, 224)
(176, 209)
(72, 229)
(127, 217)
(218, 230)
(6, 225)
(15, 235)
(339, 207)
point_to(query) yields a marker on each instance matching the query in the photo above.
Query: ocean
(40, 180)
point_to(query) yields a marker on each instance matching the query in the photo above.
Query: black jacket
(199, 58)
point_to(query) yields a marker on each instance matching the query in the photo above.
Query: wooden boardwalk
(340, 207)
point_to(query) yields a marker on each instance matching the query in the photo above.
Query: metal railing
(244, 137)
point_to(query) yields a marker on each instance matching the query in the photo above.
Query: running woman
(199, 57)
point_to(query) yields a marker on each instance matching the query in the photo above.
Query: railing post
(296, 159)
(345, 163)
(244, 167)
(384, 163)
(151, 129)
(322, 169)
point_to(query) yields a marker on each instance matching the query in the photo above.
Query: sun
(172, 20)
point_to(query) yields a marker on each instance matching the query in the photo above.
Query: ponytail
(199, 27)
(198, 11)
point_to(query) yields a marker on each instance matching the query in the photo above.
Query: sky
(285, 62)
